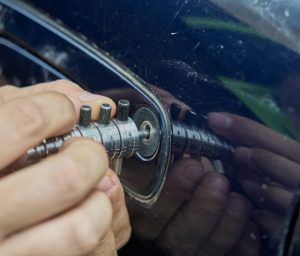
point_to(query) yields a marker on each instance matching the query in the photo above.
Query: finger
(252, 134)
(75, 93)
(198, 217)
(76, 232)
(268, 164)
(132, 95)
(29, 120)
(182, 179)
(243, 171)
(106, 246)
(51, 186)
(269, 222)
(268, 196)
(207, 164)
(121, 228)
(230, 227)
(120, 93)
(249, 244)
(169, 99)
(182, 107)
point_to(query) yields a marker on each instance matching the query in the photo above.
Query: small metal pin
(123, 110)
(105, 112)
(85, 116)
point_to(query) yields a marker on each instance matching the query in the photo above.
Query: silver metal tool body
(119, 136)
(124, 137)
(198, 141)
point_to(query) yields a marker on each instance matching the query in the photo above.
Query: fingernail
(219, 121)
(243, 155)
(105, 184)
(215, 182)
(89, 97)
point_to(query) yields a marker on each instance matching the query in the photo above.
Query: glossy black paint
(155, 41)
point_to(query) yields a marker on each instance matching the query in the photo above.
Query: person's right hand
(52, 208)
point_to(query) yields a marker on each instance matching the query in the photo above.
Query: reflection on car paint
(201, 56)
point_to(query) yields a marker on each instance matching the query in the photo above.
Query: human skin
(70, 203)
(267, 164)
(196, 213)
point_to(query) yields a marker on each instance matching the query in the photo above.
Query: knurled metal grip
(196, 141)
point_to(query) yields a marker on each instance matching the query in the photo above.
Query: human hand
(120, 229)
(59, 206)
(268, 166)
(136, 98)
(197, 215)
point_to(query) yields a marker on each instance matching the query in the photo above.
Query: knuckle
(30, 117)
(83, 235)
(65, 105)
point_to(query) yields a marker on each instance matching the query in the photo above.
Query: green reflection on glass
(261, 101)
(200, 23)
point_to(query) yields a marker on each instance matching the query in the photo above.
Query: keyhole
(146, 130)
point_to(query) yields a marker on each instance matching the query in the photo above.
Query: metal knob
(85, 116)
(105, 112)
(123, 110)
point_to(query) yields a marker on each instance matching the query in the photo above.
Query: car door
(195, 186)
